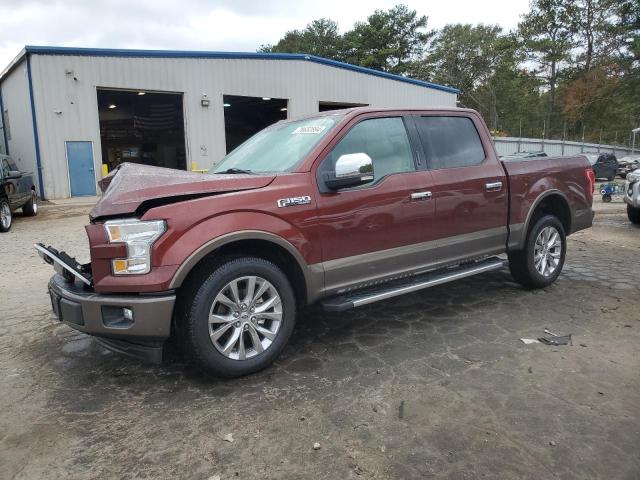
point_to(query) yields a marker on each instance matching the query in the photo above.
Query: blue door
(82, 178)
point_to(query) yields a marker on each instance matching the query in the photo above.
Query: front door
(82, 178)
(373, 232)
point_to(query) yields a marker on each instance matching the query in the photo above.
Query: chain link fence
(553, 148)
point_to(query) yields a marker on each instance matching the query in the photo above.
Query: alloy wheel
(547, 251)
(245, 317)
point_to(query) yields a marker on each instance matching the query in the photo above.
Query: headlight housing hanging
(139, 237)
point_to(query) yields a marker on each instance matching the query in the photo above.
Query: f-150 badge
(290, 202)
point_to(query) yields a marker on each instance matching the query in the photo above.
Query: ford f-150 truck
(344, 208)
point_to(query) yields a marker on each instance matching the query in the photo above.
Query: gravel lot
(433, 384)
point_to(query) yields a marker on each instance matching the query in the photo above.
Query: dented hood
(130, 185)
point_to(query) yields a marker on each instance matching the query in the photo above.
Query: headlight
(633, 177)
(139, 237)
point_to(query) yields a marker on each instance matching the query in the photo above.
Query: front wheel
(6, 219)
(237, 316)
(633, 214)
(540, 262)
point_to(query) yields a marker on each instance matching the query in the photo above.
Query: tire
(201, 298)
(30, 209)
(522, 263)
(6, 217)
(633, 214)
(606, 198)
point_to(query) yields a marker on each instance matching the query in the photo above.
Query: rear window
(450, 142)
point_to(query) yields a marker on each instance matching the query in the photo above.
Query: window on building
(450, 142)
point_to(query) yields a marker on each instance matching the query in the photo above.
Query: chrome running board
(425, 280)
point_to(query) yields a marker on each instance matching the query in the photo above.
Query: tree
(597, 29)
(547, 37)
(467, 56)
(320, 38)
(390, 41)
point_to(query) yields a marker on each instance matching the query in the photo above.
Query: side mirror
(14, 174)
(352, 169)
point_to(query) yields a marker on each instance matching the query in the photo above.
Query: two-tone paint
(352, 238)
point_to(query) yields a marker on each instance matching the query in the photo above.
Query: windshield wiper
(235, 170)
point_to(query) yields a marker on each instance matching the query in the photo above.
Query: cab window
(385, 140)
(450, 142)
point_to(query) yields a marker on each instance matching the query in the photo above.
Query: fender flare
(533, 208)
(314, 277)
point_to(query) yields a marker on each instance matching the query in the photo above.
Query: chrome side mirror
(351, 170)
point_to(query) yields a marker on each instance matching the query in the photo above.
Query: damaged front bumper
(132, 324)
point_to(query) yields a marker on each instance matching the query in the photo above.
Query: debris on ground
(555, 339)
(529, 341)
(228, 437)
(316, 446)
(552, 443)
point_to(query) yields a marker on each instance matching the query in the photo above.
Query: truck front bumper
(632, 194)
(135, 325)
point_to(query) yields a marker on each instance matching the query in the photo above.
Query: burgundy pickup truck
(344, 208)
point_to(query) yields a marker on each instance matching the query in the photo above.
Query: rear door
(469, 186)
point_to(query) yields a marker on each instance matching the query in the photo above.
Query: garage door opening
(326, 106)
(245, 116)
(141, 127)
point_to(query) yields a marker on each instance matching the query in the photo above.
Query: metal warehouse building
(71, 113)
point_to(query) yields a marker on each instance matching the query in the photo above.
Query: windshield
(279, 148)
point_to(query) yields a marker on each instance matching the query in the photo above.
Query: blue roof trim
(119, 52)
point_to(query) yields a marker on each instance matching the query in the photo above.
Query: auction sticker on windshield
(315, 129)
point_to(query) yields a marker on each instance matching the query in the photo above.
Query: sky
(223, 25)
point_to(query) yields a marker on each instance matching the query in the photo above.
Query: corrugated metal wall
(66, 101)
(508, 145)
(15, 100)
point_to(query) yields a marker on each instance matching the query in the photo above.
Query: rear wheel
(540, 262)
(633, 214)
(6, 218)
(30, 209)
(237, 316)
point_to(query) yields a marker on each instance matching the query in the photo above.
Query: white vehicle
(632, 196)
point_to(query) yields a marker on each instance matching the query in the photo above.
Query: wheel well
(557, 206)
(266, 250)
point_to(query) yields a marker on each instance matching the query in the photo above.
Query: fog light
(117, 317)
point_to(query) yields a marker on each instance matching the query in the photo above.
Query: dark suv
(605, 165)
(16, 191)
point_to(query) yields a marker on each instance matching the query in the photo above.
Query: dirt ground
(435, 384)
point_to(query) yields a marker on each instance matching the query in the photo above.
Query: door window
(385, 140)
(450, 142)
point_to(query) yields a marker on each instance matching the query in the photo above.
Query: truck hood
(131, 185)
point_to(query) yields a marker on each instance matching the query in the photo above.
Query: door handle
(493, 186)
(421, 196)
